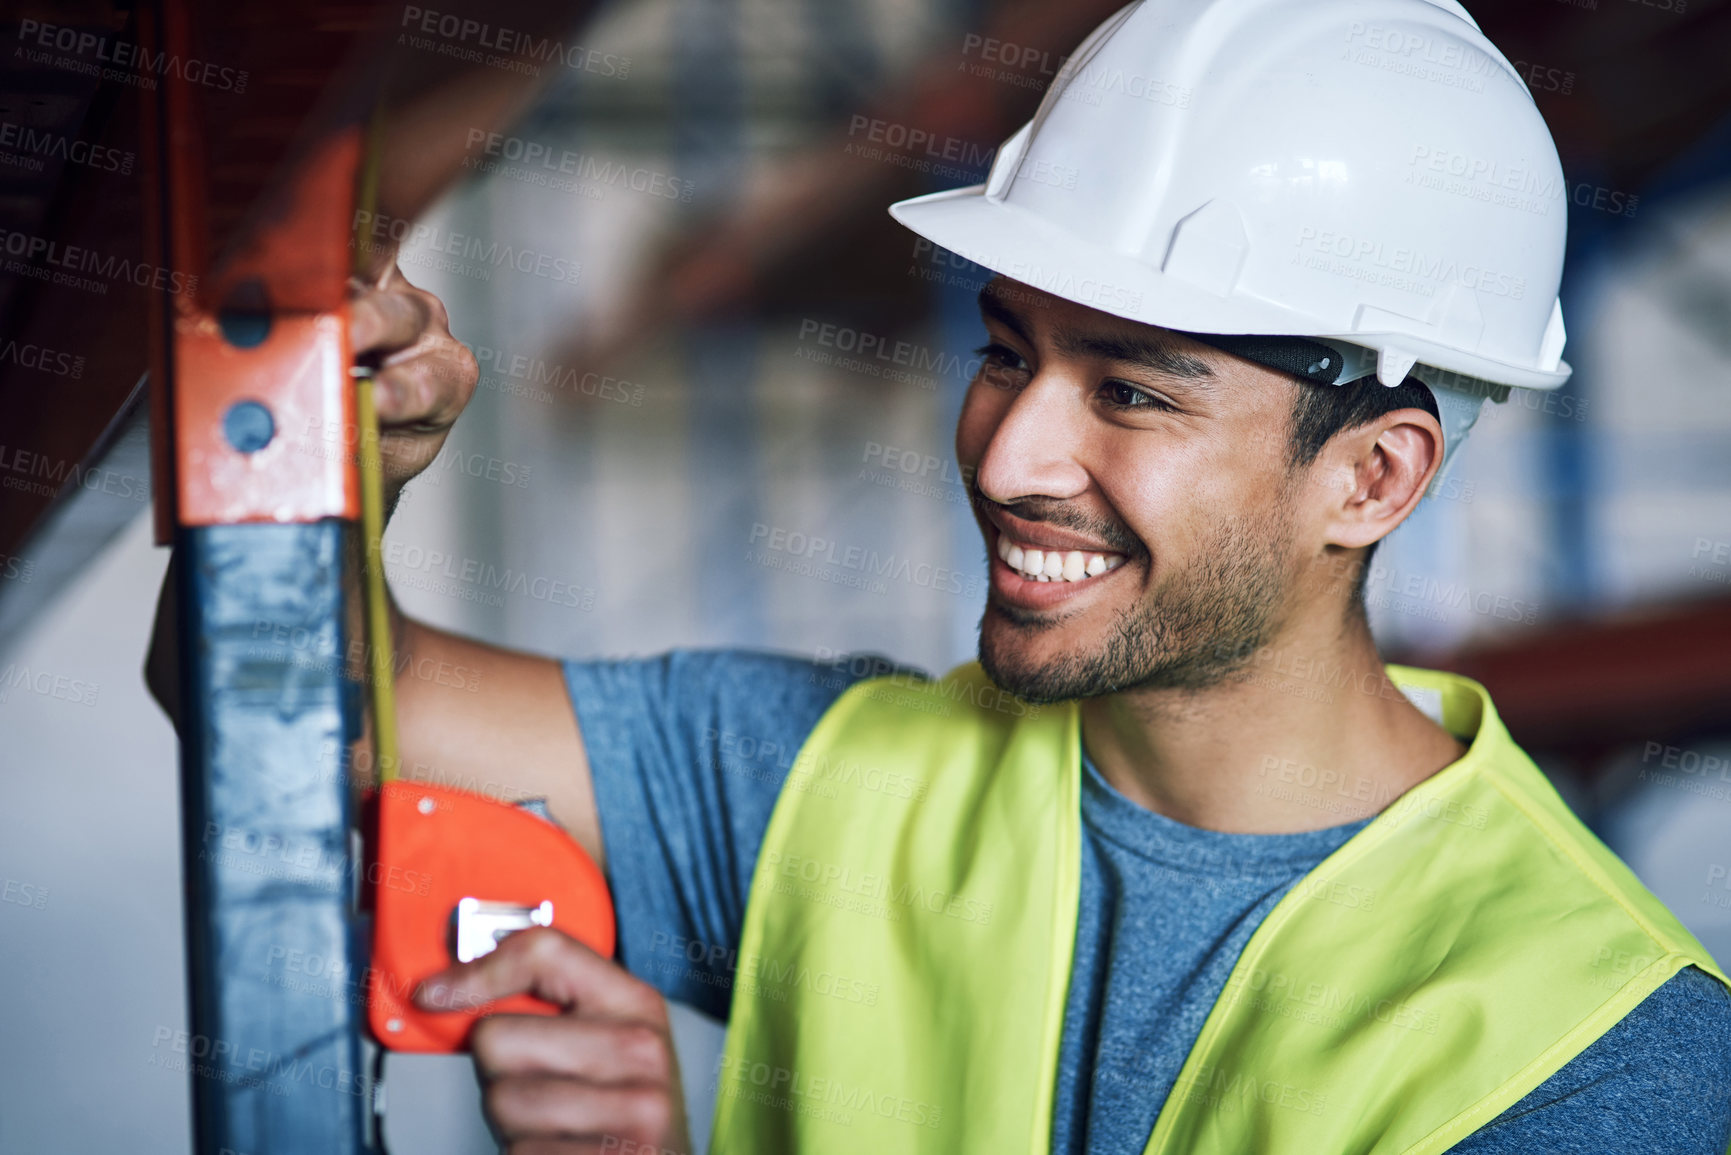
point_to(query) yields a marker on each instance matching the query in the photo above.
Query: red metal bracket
(289, 276)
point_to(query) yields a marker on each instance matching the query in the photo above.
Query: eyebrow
(1149, 353)
(1145, 352)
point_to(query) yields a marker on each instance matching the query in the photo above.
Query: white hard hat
(1369, 174)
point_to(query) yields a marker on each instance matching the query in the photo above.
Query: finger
(602, 1051)
(428, 387)
(395, 281)
(383, 321)
(406, 456)
(549, 1107)
(550, 965)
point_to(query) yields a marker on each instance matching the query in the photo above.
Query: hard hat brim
(999, 236)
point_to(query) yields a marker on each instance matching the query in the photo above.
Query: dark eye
(1123, 395)
(1002, 366)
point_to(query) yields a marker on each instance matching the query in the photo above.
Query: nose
(1034, 449)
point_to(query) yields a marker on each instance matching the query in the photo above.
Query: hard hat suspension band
(1459, 399)
(1298, 356)
(1303, 357)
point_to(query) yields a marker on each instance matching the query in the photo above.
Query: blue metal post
(273, 959)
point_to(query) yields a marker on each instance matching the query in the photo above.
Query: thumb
(543, 962)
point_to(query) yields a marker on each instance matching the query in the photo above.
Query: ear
(1376, 474)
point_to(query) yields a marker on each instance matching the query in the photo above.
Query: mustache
(1057, 512)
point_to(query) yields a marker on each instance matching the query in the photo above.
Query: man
(1128, 885)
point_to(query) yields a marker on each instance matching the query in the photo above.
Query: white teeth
(1051, 565)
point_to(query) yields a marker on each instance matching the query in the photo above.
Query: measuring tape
(452, 872)
(381, 651)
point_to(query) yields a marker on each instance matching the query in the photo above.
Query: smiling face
(1136, 499)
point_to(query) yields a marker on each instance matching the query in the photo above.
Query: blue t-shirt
(689, 750)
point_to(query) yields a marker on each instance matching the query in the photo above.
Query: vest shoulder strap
(1440, 965)
(907, 944)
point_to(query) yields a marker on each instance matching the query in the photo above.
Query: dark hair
(1320, 411)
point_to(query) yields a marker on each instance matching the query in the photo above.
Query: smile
(1034, 563)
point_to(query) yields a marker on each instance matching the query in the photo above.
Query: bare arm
(507, 724)
(515, 734)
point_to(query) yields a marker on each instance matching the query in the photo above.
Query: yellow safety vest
(906, 955)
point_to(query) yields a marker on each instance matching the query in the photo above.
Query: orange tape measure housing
(435, 847)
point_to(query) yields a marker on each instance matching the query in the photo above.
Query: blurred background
(742, 347)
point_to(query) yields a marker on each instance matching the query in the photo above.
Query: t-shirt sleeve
(1659, 1082)
(688, 751)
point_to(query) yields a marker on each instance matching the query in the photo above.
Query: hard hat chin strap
(1459, 399)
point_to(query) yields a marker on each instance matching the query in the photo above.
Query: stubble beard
(1197, 629)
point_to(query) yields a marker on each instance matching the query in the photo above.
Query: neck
(1308, 734)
